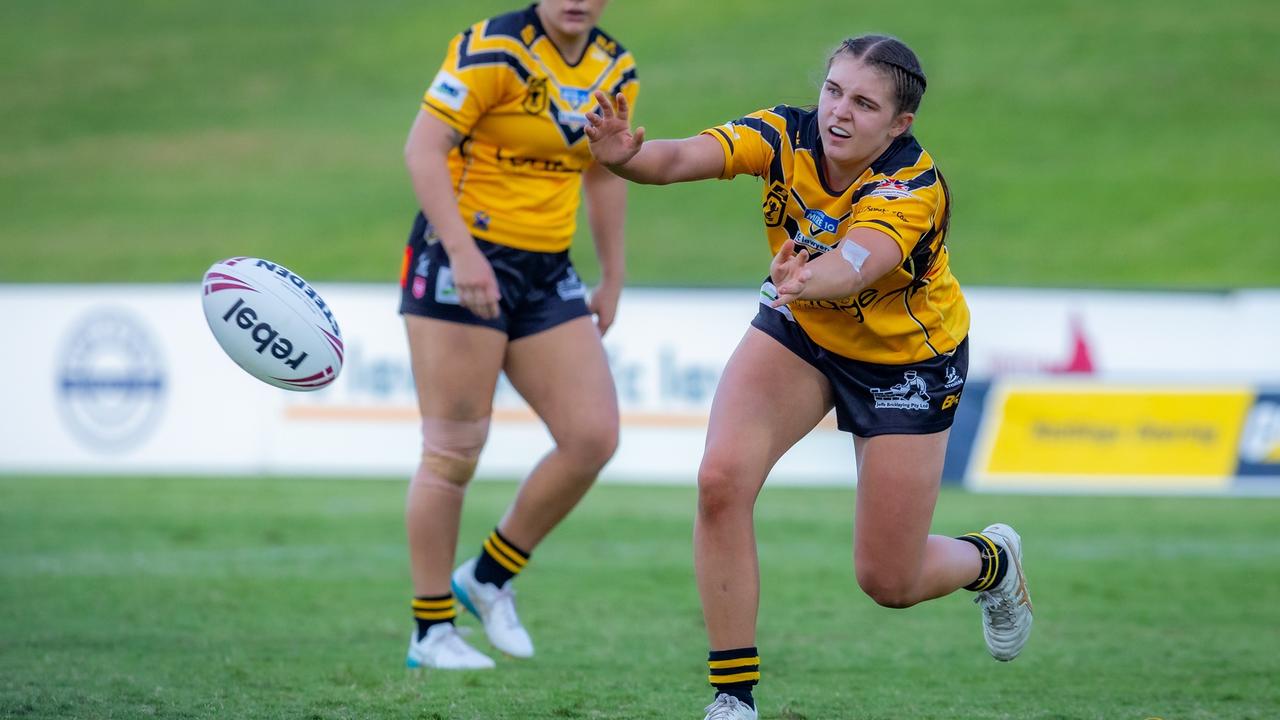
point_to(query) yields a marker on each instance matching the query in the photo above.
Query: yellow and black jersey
(521, 108)
(911, 314)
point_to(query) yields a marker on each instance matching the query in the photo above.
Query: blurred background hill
(1130, 144)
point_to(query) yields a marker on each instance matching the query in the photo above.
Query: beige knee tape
(450, 449)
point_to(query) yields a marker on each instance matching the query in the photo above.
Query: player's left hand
(603, 303)
(789, 272)
(609, 131)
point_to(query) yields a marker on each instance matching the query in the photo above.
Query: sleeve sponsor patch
(891, 189)
(448, 90)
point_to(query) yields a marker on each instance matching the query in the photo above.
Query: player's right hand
(475, 282)
(609, 131)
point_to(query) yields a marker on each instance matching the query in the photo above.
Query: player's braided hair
(895, 59)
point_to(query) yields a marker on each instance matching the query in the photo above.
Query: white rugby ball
(272, 323)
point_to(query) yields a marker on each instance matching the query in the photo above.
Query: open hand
(609, 131)
(789, 272)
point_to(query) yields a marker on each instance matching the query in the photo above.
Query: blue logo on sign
(822, 222)
(111, 381)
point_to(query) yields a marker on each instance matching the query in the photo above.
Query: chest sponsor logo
(822, 222)
(910, 394)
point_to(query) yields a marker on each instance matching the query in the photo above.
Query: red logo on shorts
(419, 287)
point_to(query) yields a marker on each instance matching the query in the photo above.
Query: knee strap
(450, 449)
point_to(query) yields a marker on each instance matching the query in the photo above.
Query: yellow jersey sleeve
(460, 95)
(750, 144)
(905, 210)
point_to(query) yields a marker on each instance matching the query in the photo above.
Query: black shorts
(539, 290)
(873, 399)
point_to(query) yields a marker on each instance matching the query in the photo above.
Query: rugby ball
(272, 323)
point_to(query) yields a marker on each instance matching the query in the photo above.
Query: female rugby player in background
(497, 156)
(861, 313)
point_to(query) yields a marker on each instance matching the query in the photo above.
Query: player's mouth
(575, 16)
(839, 133)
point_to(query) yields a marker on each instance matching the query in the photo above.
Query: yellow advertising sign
(1098, 436)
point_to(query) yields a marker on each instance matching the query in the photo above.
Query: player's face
(571, 17)
(858, 113)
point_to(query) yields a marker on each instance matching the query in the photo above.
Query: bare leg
(898, 563)
(767, 400)
(455, 369)
(564, 375)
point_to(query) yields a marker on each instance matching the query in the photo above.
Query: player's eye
(833, 91)
(865, 104)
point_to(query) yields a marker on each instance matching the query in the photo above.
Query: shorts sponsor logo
(910, 394)
(950, 401)
(111, 381)
(892, 189)
(419, 287)
(448, 90)
(953, 378)
(571, 287)
(446, 293)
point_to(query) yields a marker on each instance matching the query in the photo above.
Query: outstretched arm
(861, 258)
(658, 162)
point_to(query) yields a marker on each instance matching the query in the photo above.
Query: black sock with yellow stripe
(431, 610)
(735, 672)
(499, 560)
(994, 562)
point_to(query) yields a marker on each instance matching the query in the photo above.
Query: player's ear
(901, 123)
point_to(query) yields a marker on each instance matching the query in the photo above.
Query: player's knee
(450, 450)
(886, 586)
(719, 491)
(592, 448)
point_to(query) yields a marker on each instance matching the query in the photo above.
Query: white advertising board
(127, 378)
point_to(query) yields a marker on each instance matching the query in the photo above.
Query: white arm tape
(854, 254)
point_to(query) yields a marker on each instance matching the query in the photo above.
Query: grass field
(1086, 144)
(274, 598)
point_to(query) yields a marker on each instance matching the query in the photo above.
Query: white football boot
(728, 707)
(495, 607)
(1006, 608)
(443, 648)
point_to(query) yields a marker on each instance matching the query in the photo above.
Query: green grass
(1114, 145)
(288, 598)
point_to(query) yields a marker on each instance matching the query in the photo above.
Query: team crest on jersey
(536, 98)
(910, 394)
(775, 205)
(481, 220)
(892, 189)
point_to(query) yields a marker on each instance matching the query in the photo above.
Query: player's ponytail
(895, 59)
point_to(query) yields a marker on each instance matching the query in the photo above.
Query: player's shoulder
(905, 169)
(609, 44)
(796, 124)
(520, 25)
